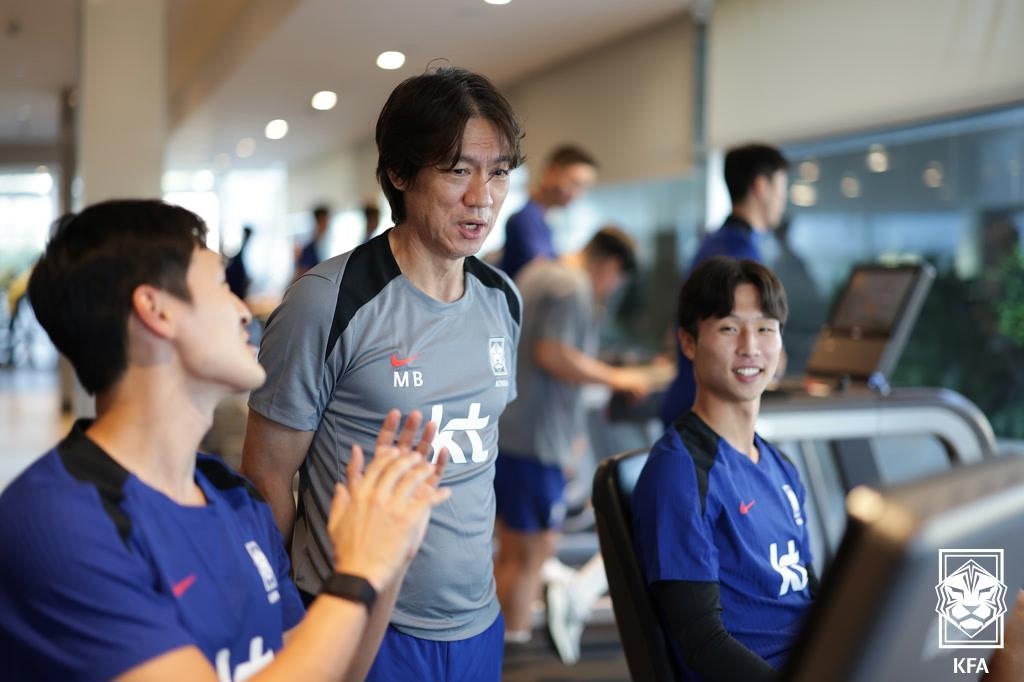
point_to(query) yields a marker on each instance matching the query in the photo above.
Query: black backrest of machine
(643, 638)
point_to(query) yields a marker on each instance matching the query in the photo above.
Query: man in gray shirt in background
(542, 429)
(408, 320)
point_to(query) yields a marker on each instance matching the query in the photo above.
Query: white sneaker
(565, 627)
(554, 570)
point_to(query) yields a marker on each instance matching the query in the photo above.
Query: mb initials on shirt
(405, 378)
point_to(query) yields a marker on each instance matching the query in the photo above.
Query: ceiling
(233, 65)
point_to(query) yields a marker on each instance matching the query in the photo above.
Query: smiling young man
(718, 511)
(756, 176)
(410, 319)
(129, 557)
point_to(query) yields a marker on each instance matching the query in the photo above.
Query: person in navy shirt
(718, 512)
(569, 172)
(127, 555)
(312, 252)
(756, 176)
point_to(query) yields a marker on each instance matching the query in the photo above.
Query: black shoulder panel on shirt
(489, 277)
(88, 463)
(369, 269)
(702, 444)
(223, 478)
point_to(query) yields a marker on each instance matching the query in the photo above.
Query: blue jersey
(737, 239)
(704, 512)
(102, 573)
(527, 236)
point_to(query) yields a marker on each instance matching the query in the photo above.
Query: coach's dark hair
(570, 155)
(81, 288)
(422, 123)
(611, 242)
(710, 291)
(744, 165)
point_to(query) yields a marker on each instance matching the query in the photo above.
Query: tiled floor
(30, 418)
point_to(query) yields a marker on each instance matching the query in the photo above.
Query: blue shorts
(404, 657)
(530, 496)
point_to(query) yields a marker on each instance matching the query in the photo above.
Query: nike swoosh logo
(402, 362)
(745, 506)
(179, 587)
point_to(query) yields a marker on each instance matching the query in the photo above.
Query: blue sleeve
(525, 239)
(680, 393)
(75, 602)
(673, 536)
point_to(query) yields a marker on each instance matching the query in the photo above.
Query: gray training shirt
(558, 305)
(352, 340)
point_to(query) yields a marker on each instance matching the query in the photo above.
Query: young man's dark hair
(611, 242)
(422, 124)
(81, 288)
(321, 211)
(567, 155)
(710, 289)
(743, 165)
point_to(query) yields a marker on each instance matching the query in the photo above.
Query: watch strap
(351, 587)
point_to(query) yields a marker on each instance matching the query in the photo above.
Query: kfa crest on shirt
(497, 353)
(267, 575)
(794, 504)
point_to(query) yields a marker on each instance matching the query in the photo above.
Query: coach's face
(453, 209)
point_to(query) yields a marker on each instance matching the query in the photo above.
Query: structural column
(122, 123)
(123, 103)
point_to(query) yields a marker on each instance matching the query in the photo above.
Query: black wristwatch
(350, 587)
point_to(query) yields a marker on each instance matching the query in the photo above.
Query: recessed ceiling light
(497, 2)
(933, 175)
(877, 159)
(324, 100)
(276, 129)
(803, 194)
(850, 186)
(245, 147)
(390, 60)
(809, 171)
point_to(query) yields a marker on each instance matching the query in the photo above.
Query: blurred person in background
(569, 172)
